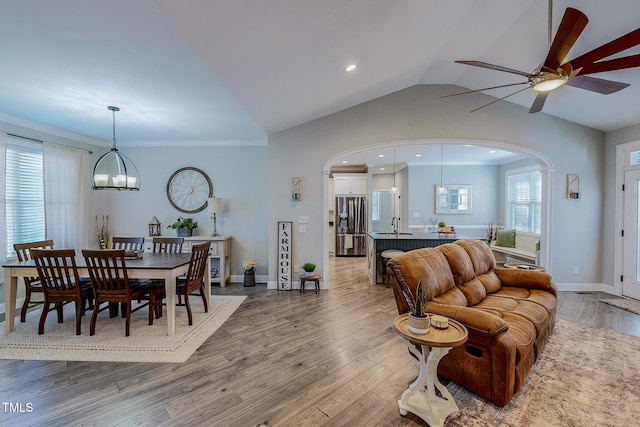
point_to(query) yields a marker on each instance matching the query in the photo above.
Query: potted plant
(184, 226)
(441, 225)
(308, 268)
(249, 266)
(418, 318)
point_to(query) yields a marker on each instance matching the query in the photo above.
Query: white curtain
(65, 195)
(3, 174)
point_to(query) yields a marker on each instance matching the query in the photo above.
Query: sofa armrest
(478, 320)
(526, 279)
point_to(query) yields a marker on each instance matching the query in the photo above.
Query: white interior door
(631, 240)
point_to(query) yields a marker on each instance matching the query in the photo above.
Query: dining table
(164, 266)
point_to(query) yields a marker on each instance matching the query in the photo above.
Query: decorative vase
(184, 232)
(419, 325)
(308, 273)
(249, 278)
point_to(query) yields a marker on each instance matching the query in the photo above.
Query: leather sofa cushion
(533, 312)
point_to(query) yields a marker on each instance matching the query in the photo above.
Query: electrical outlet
(576, 269)
(296, 268)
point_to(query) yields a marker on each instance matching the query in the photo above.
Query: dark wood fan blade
(571, 26)
(494, 67)
(618, 45)
(596, 85)
(538, 103)
(480, 90)
(612, 65)
(500, 99)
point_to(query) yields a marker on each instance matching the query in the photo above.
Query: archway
(546, 169)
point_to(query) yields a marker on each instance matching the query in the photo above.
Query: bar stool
(386, 256)
(314, 278)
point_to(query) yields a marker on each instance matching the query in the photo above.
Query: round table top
(390, 253)
(521, 266)
(312, 277)
(456, 334)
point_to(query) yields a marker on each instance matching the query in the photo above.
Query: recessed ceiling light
(350, 68)
(381, 169)
(344, 161)
(468, 145)
(418, 155)
(492, 151)
(380, 155)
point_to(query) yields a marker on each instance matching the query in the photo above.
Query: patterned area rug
(632, 305)
(145, 343)
(585, 377)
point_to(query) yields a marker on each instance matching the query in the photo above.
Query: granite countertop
(416, 235)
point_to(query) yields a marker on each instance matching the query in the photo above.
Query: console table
(219, 254)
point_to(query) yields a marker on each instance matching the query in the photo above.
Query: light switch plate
(302, 229)
(303, 219)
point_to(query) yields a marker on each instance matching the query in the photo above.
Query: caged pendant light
(394, 189)
(441, 188)
(114, 171)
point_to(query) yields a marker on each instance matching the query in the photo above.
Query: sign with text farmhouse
(284, 255)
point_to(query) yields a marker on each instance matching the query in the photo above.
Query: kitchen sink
(393, 234)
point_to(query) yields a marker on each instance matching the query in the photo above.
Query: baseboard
(19, 302)
(580, 287)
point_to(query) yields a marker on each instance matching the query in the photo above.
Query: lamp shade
(215, 204)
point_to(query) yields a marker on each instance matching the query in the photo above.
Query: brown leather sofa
(509, 313)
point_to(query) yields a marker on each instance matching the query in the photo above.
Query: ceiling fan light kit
(553, 74)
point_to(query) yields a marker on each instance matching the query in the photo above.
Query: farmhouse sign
(284, 255)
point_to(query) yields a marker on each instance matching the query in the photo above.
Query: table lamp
(215, 206)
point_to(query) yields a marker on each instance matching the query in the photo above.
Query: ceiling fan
(552, 73)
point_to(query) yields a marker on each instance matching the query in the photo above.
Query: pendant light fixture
(394, 189)
(441, 188)
(114, 171)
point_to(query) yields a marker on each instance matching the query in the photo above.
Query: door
(631, 241)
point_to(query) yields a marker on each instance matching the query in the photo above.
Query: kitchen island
(380, 242)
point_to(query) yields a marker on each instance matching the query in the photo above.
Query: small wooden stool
(386, 256)
(315, 278)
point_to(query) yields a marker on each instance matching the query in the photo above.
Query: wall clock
(188, 190)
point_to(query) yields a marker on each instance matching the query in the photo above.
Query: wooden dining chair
(128, 243)
(61, 283)
(186, 285)
(168, 244)
(31, 284)
(110, 283)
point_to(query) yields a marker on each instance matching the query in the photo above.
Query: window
(24, 204)
(524, 201)
(375, 206)
(634, 159)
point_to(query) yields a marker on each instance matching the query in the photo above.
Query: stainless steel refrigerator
(351, 225)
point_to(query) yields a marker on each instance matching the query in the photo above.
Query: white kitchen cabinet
(350, 183)
(219, 254)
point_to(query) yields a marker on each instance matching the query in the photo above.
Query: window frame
(536, 205)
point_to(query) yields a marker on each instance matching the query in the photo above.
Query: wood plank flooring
(282, 359)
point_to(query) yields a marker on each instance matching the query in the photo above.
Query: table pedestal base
(421, 398)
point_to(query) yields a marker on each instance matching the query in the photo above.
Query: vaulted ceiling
(228, 72)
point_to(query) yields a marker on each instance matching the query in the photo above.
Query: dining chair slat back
(61, 283)
(31, 284)
(127, 243)
(168, 244)
(110, 282)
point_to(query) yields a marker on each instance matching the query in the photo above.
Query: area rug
(585, 377)
(632, 305)
(145, 344)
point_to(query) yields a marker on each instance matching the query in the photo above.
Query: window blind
(24, 204)
(524, 201)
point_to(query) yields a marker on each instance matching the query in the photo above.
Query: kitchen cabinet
(350, 183)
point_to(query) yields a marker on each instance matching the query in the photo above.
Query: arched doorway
(546, 169)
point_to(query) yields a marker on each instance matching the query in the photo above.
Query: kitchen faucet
(394, 225)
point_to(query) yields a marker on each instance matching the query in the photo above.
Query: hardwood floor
(282, 359)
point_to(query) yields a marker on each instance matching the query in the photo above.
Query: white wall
(416, 113)
(237, 174)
